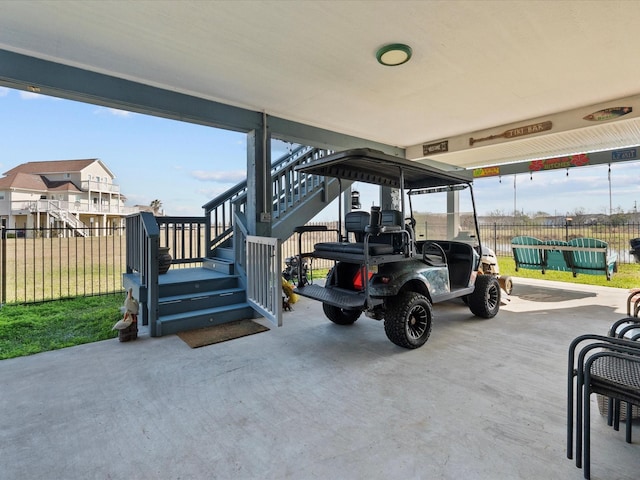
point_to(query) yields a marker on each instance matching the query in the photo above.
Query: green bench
(580, 255)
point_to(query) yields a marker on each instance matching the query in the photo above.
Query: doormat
(221, 333)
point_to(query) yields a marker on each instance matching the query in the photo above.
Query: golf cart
(394, 264)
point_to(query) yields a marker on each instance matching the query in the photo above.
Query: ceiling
(478, 67)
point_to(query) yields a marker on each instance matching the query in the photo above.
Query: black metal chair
(606, 365)
(626, 328)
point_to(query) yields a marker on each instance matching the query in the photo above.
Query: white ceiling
(476, 66)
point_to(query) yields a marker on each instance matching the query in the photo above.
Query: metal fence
(498, 236)
(45, 264)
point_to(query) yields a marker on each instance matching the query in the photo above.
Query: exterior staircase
(198, 297)
(217, 282)
(67, 218)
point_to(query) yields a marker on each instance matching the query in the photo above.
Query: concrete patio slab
(483, 399)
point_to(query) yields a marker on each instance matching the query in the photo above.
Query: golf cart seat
(356, 223)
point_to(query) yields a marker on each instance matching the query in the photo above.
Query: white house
(76, 197)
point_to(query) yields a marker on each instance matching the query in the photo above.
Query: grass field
(29, 329)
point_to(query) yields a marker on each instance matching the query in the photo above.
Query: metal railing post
(3, 265)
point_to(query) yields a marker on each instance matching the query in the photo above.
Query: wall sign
(559, 162)
(438, 147)
(608, 114)
(516, 132)
(627, 154)
(486, 172)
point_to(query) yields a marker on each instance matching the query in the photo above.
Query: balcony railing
(22, 207)
(92, 185)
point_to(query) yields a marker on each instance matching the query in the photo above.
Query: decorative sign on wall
(438, 147)
(516, 132)
(608, 114)
(486, 172)
(626, 154)
(559, 162)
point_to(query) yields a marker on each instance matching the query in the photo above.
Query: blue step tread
(184, 275)
(191, 296)
(176, 317)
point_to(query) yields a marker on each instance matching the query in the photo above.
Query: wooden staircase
(191, 298)
(215, 291)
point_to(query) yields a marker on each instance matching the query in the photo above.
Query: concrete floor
(483, 399)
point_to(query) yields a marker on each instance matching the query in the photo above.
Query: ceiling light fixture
(394, 54)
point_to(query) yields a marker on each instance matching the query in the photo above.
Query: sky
(186, 165)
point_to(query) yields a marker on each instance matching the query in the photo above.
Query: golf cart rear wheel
(484, 302)
(339, 315)
(407, 322)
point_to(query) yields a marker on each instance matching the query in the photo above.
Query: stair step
(194, 281)
(168, 324)
(226, 253)
(218, 264)
(197, 301)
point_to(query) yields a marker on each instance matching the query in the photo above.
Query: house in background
(76, 197)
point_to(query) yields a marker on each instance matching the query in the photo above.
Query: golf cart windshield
(433, 221)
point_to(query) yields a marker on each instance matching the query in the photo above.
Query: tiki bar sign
(516, 132)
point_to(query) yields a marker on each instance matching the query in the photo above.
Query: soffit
(476, 66)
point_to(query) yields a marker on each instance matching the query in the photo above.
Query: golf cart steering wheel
(411, 221)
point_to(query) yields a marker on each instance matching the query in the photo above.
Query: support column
(259, 197)
(453, 214)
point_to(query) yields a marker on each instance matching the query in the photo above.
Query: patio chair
(608, 366)
(627, 328)
(633, 298)
(559, 260)
(590, 262)
(527, 254)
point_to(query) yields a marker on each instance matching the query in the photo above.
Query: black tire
(339, 315)
(407, 321)
(484, 302)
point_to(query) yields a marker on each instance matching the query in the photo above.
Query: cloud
(4, 91)
(113, 111)
(30, 96)
(220, 177)
(119, 113)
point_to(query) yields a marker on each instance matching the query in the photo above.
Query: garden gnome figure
(128, 326)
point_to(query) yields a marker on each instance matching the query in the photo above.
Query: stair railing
(70, 220)
(142, 243)
(289, 189)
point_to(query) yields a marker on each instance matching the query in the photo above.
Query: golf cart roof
(373, 166)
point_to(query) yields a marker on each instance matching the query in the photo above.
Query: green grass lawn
(34, 328)
(29, 329)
